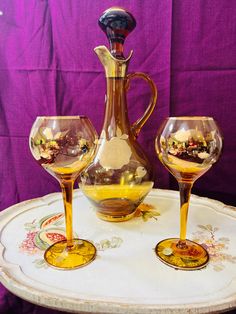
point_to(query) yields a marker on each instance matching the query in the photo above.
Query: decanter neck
(116, 121)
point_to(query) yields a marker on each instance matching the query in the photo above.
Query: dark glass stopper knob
(117, 23)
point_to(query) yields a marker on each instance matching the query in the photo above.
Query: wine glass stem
(185, 192)
(67, 192)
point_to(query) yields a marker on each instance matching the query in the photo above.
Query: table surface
(126, 275)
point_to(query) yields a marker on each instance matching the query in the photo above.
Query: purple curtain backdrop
(48, 67)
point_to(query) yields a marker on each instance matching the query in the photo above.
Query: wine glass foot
(193, 256)
(60, 256)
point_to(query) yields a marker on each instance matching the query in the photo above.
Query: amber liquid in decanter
(121, 175)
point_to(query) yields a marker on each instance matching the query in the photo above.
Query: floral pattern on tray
(216, 246)
(40, 234)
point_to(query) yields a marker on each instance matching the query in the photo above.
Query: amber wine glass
(64, 146)
(187, 147)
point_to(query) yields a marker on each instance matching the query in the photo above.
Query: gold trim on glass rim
(61, 117)
(190, 118)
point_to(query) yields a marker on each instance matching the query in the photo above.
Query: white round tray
(126, 276)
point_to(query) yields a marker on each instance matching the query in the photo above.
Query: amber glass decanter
(120, 176)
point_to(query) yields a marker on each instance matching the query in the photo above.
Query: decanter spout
(113, 67)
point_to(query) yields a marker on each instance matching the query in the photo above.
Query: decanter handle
(137, 126)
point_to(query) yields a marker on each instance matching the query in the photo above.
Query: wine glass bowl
(187, 147)
(64, 146)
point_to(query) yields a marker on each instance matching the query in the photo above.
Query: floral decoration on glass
(187, 147)
(64, 146)
(120, 176)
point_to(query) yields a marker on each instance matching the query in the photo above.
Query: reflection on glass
(187, 147)
(64, 146)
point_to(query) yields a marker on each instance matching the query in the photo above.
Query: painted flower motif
(215, 247)
(47, 145)
(114, 153)
(28, 244)
(191, 145)
(146, 211)
(115, 242)
(182, 135)
(48, 150)
(203, 155)
(140, 172)
(40, 234)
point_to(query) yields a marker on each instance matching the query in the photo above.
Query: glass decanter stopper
(120, 176)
